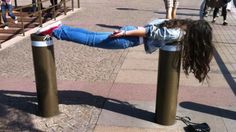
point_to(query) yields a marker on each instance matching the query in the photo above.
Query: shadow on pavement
(109, 26)
(133, 9)
(27, 102)
(187, 9)
(179, 14)
(226, 73)
(209, 110)
(187, 14)
(12, 104)
(80, 97)
(129, 9)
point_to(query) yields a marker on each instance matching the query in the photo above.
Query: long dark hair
(197, 46)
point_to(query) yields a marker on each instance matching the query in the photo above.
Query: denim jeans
(4, 7)
(95, 39)
(203, 9)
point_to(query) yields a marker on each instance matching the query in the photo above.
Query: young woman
(194, 36)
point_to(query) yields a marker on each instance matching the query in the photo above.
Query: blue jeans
(4, 7)
(95, 39)
(202, 9)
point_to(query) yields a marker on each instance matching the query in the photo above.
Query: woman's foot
(49, 28)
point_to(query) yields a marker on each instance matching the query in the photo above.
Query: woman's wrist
(124, 33)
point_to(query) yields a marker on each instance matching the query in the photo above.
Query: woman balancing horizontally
(194, 36)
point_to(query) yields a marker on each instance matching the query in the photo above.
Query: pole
(45, 75)
(78, 3)
(168, 84)
(16, 3)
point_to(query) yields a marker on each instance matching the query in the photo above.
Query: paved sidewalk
(115, 90)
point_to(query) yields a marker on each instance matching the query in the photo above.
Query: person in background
(217, 4)
(221, 4)
(53, 3)
(6, 5)
(171, 8)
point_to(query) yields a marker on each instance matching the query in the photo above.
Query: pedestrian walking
(6, 5)
(171, 8)
(193, 36)
(217, 4)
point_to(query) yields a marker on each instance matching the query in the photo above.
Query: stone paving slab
(80, 105)
(135, 76)
(128, 114)
(138, 64)
(132, 129)
(133, 92)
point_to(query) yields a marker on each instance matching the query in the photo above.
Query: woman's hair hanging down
(197, 51)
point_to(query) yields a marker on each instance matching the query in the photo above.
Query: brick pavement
(106, 90)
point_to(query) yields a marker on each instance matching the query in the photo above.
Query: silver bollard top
(171, 48)
(41, 41)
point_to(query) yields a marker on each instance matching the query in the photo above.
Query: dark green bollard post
(168, 84)
(45, 75)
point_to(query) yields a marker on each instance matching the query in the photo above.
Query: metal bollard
(168, 84)
(45, 75)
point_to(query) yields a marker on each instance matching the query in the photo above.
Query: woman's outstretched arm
(140, 32)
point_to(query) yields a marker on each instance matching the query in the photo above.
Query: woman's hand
(118, 33)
